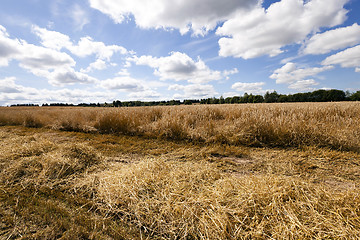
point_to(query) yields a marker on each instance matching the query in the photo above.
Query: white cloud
(8, 85)
(125, 83)
(35, 57)
(124, 72)
(137, 89)
(304, 85)
(97, 65)
(9, 48)
(255, 88)
(357, 69)
(68, 76)
(227, 73)
(195, 91)
(79, 16)
(290, 74)
(230, 94)
(179, 67)
(85, 47)
(14, 94)
(146, 95)
(264, 32)
(333, 40)
(127, 64)
(52, 39)
(231, 72)
(49, 62)
(63, 76)
(56, 66)
(200, 16)
(347, 58)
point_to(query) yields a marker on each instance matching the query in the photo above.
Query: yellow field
(334, 125)
(253, 171)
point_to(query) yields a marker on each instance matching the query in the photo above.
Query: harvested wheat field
(251, 171)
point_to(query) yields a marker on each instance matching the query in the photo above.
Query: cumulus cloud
(146, 95)
(63, 76)
(9, 48)
(304, 85)
(200, 16)
(52, 39)
(227, 73)
(125, 83)
(298, 78)
(195, 91)
(29, 54)
(8, 85)
(180, 67)
(333, 40)
(136, 89)
(68, 76)
(347, 58)
(49, 63)
(56, 66)
(255, 88)
(85, 47)
(266, 31)
(123, 72)
(97, 65)
(35, 57)
(13, 93)
(231, 72)
(290, 73)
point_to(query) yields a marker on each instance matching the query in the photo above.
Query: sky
(90, 51)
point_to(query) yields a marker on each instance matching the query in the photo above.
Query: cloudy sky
(103, 50)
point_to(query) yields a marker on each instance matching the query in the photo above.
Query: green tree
(258, 99)
(187, 102)
(355, 96)
(221, 100)
(271, 97)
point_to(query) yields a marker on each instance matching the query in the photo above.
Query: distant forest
(270, 97)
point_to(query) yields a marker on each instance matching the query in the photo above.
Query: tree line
(321, 95)
(273, 97)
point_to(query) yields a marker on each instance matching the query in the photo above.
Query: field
(250, 171)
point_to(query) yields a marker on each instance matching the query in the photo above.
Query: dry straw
(65, 185)
(334, 125)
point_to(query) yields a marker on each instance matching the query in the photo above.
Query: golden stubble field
(252, 171)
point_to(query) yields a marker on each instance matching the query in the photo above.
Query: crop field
(244, 171)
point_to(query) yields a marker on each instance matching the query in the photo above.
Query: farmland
(250, 171)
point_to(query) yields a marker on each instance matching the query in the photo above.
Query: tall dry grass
(57, 185)
(186, 200)
(335, 125)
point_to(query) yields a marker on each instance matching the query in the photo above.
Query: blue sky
(105, 50)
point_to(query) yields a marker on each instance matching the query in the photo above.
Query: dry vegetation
(267, 171)
(334, 125)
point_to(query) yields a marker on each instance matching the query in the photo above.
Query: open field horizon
(261, 141)
(334, 124)
(253, 171)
